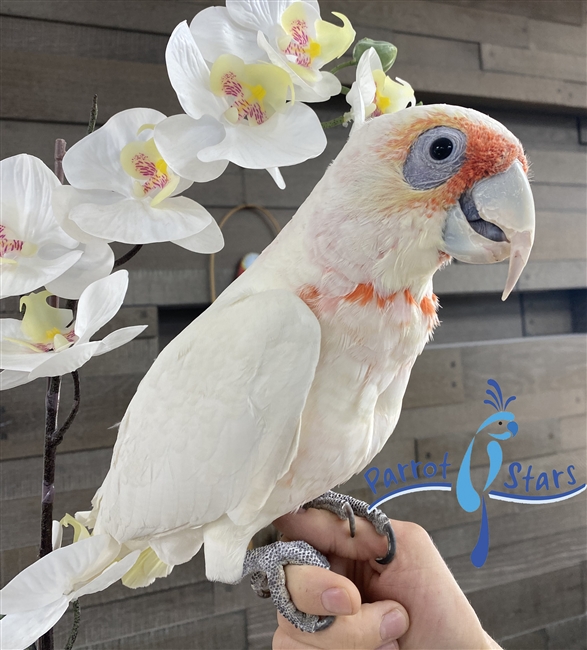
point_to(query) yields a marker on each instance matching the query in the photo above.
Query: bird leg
(347, 507)
(268, 579)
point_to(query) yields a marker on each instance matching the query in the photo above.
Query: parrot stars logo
(547, 487)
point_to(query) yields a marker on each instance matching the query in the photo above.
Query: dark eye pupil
(441, 148)
(500, 424)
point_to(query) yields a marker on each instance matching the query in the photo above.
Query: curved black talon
(390, 545)
(324, 623)
(350, 515)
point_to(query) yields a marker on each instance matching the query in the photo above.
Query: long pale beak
(493, 221)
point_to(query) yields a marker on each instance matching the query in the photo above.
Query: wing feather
(215, 422)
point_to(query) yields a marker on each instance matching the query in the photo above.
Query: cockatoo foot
(268, 579)
(347, 507)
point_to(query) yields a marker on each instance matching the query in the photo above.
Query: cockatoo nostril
(513, 427)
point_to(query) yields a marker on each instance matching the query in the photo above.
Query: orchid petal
(190, 75)
(27, 184)
(314, 86)
(119, 337)
(13, 378)
(65, 361)
(65, 198)
(96, 263)
(94, 162)
(31, 273)
(19, 631)
(54, 575)
(180, 137)
(277, 177)
(99, 303)
(362, 92)
(334, 40)
(288, 138)
(56, 535)
(135, 222)
(209, 240)
(216, 33)
(109, 576)
(261, 15)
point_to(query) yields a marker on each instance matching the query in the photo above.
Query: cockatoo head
(427, 183)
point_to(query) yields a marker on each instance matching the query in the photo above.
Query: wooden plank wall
(521, 61)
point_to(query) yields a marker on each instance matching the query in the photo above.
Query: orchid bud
(387, 52)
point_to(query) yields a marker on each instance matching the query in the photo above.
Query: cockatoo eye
(441, 148)
(435, 157)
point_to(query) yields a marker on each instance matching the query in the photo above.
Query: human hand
(440, 616)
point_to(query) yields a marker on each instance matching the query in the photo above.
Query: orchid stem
(127, 256)
(75, 627)
(60, 147)
(341, 66)
(345, 90)
(58, 437)
(51, 410)
(93, 115)
(337, 121)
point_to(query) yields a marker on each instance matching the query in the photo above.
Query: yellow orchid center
(390, 96)
(255, 92)
(310, 42)
(79, 531)
(143, 162)
(12, 248)
(44, 328)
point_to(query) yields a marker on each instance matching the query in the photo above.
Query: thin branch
(58, 437)
(76, 622)
(93, 115)
(341, 66)
(337, 121)
(60, 148)
(127, 256)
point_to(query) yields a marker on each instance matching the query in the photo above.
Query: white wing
(215, 422)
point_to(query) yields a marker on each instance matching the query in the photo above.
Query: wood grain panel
(533, 557)
(136, 15)
(531, 603)
(528, 524)
(57, 88)
(23, 414)
(438, 420)
(560, 236)
(560, 167)
(529, 365)
(81, 40)
(563, 11)
(495, 87)
(212, 633)
(124, 618)
(416, 17)
(551, 65)
(436, 379)
(471, 278)
(554, 37)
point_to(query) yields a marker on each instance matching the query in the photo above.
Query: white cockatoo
(292, 381)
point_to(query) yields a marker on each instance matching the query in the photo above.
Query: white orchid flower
(34, 249)
(239, 110)
(374, 93)
(290, 34)
(47, 342)
(123, 190)
(37, 598)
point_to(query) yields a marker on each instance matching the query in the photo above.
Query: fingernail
(392, 645)
(337, 601)
(393, 625)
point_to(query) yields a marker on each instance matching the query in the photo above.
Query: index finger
(330, 535)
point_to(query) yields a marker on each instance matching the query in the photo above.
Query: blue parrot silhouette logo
(500, 426)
